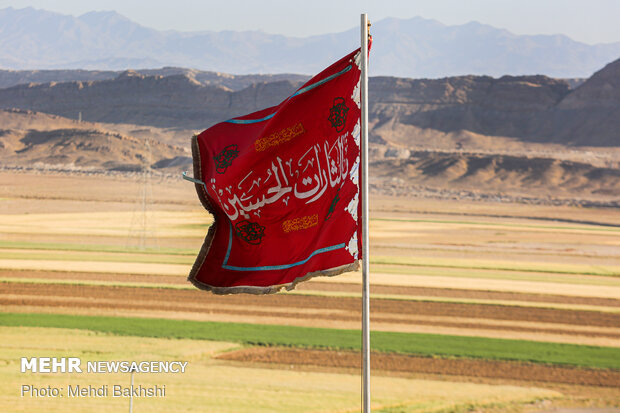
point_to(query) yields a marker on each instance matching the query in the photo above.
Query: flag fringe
(272, 289)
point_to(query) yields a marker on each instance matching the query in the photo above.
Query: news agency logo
(51, 365)
(74, 365)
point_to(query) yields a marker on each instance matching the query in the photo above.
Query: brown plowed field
(344, 308)
(403, 363)
(330, 287)
(316, 310)
(547, 307)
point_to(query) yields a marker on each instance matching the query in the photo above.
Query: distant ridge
(414, 48)
(10, 78)
(175, 101)
(38, 140)
(452, 111)
(33, 141)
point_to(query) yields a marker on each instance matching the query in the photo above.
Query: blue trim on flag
(299, 92)
(229, 245)
(320, 82)
(248, 121)
(273, 267)
(194, 180)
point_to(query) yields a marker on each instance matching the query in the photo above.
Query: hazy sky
(589, 21)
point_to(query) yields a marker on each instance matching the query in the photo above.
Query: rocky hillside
(508, 106)
(515, 137)
(171, 101)
(535, 177)
(29, 139)
(10, 78)
(528, 108)
(592, 111)
(403, 112)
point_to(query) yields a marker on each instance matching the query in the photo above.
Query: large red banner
(283, 186)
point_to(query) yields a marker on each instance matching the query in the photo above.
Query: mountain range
(403, 111)
(516, 138)
(10, 78)
(415, 48)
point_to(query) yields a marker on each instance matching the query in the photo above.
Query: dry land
(88, 246)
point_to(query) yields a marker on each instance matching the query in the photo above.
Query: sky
(587, 21)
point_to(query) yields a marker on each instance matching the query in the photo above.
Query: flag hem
(202, 195)
(272, 289)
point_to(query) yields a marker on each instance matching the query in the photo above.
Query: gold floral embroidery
(300, 223)
(279, 137)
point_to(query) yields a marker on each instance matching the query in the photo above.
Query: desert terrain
(87, 245)
(494, 240)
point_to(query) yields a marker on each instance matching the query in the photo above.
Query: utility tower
(142, 232)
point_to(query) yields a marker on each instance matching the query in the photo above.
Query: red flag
(283, 186)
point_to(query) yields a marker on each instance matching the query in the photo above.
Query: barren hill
(402, 111)
(592, 111)
(527, 108)
(528, 136)
(534, 177)
(508, 106)
(171, 101)
(9, 78)
(29, 138)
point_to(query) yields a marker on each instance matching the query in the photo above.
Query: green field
(306, 337)
(491, 266)
(210, 385)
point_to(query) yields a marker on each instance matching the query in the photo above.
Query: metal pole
(365, 245)
(131, 394)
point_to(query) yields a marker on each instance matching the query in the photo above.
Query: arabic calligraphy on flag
(283, 187)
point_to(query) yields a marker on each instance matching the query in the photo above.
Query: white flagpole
(365, 249)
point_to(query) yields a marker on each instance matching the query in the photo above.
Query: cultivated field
(488, 306)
